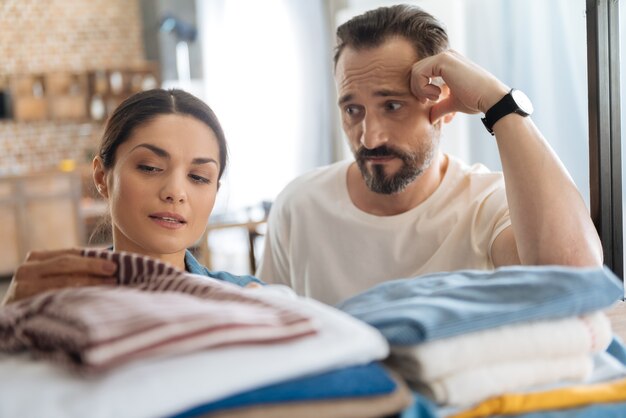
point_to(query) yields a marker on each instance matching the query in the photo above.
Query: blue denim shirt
(193, 266)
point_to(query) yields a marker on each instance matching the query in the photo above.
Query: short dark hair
(370, 29)
(143, 107)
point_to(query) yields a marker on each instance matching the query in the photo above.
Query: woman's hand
(46, 270)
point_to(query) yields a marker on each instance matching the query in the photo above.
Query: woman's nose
(173, 191)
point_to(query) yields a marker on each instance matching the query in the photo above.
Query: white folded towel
(508, 344)
(471, 386)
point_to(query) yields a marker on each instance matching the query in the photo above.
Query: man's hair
(373, 28)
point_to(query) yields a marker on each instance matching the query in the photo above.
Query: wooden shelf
(77, 96)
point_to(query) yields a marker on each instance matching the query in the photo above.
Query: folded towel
(475, 385)
(532, 340)
(434, 306)
(96, 328)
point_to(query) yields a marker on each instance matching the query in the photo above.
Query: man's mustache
(382, 151)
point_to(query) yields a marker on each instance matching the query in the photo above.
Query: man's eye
(352, 110)
(392, 106)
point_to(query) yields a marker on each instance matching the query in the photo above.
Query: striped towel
(156, 311)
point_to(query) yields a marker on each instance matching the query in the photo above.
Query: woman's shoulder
(194, 267)
(232, 278)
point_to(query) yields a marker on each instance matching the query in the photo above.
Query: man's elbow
(577, 254)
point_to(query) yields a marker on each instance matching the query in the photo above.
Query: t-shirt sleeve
(274, 267)
(500, 216)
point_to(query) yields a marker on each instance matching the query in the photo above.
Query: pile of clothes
(168, 343)
(482, 343)
(523, 341)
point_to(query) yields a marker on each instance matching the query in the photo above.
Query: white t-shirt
(321, 245)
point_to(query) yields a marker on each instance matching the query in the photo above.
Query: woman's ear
(100, 177)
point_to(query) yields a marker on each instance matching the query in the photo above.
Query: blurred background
(265, 67)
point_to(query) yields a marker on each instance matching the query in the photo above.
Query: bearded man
(403, 208)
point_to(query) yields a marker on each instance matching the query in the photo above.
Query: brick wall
(40, 146)
(61, 35)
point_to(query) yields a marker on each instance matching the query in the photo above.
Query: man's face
(388, 129)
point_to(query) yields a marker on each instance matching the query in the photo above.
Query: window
(604, 128)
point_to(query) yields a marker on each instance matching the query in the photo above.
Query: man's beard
(413, 165)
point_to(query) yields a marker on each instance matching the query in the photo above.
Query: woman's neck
(177, 259)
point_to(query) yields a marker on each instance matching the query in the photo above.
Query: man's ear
(438, 109)
(100, 177)
(447, 118)
(441, 111)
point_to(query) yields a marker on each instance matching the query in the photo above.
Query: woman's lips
(168, 220)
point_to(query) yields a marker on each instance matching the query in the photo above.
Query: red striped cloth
(156, 311)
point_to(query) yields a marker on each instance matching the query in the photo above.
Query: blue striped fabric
(434, 306)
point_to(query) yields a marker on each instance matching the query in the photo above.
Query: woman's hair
(371, 29)
(143, 107)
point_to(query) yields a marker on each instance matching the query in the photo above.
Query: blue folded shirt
(346, 383)
(439, 305)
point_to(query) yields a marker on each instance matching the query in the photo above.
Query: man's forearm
(549, 217)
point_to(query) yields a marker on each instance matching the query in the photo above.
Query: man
(404, 208)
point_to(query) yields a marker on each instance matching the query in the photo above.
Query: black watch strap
(505, 106)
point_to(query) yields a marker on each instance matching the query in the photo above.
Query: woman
(159, 166)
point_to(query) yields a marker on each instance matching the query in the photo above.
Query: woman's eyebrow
(164, 154)
(158, 151)
(203, 161)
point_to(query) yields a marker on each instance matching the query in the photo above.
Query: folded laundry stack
(463, 337)
(168, 343)
(468, 368)
(160, 312)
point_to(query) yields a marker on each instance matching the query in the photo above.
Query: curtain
(268, 76)
(539, 47)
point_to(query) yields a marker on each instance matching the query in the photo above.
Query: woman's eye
(199, 179)
(148, 168)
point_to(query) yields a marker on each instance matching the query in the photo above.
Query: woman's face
(162, 187)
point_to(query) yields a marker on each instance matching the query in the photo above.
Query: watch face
(522, 101)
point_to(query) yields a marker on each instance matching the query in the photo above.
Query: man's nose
(373, 132)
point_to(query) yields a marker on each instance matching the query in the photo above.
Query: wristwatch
(514, 102)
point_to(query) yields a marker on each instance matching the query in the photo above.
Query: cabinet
(38, 212)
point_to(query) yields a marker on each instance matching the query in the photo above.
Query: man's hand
(472, 89)
(550, 222)
(46, 270)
